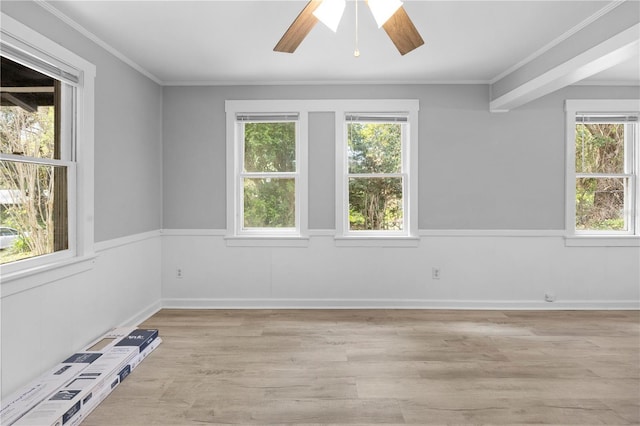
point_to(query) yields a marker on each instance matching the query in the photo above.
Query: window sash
(627, 207)
(30, 273)
(241, 119)
(61, 237)
(630, 206)
(372, 232)
(614, 112)
(401, 118)
(62, 250)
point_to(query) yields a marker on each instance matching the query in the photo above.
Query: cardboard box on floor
(99, 395)
(24, 399)
(96, 380)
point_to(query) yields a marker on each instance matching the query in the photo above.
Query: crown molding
(46, 5)
(321, 82)
(553, 43)
(49, 7)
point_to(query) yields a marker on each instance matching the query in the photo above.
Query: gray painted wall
(128, 138)
(478, 170)
(160, 152)
(128, 190)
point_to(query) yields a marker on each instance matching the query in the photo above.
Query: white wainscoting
(484, 270)
(479, 270)
(41, 326)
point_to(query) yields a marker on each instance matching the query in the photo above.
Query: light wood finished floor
(384, 367)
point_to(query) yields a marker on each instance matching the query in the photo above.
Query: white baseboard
(396, 304)
(143, 315)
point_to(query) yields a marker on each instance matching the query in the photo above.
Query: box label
(139, 339)
(86, 358)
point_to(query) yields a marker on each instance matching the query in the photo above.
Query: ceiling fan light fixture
(329, 12)
(382, 10)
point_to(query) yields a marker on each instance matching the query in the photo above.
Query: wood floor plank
(383, 367)
(511, 411)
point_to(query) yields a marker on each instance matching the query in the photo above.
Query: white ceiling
(231, 42)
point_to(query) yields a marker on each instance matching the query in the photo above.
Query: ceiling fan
(389, 14)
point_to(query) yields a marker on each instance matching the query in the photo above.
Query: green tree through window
(374, 153)
(32, 178)
(601, 184)
(268, 178)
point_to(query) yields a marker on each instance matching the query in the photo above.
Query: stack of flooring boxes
(66, 394)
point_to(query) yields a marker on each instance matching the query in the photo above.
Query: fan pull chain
(356, 52)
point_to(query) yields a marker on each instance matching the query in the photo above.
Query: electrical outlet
(179, 273)
(435, 273)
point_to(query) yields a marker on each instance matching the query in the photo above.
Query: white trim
(575, 238)
(142, 315)
(331, 233)
(303, 107)
(322, 82)
(234, 166)
(194, 232)
(553, 43)
(123, 241)
(38, 276)
(423, 233)
(81, 203)
(410, 107)
(602, 241)
(46, 5)
(211, 303)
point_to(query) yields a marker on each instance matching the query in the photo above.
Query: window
(36, 163)
(46, 127)
(602, 154)
(267, 176)
(376, 178)
(268, 181)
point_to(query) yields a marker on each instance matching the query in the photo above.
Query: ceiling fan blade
(298, 29)
(402, 32)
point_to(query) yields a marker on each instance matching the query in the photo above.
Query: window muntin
(605, 173)
(268, 176)
(35, 126)
(376, 178)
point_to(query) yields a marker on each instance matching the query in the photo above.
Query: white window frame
(630, 237)
(386, 107)
(32, 47)
(236, 234)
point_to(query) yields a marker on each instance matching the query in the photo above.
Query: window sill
(377, 241)
(267, 241)
(602, 241)
(25, 279)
